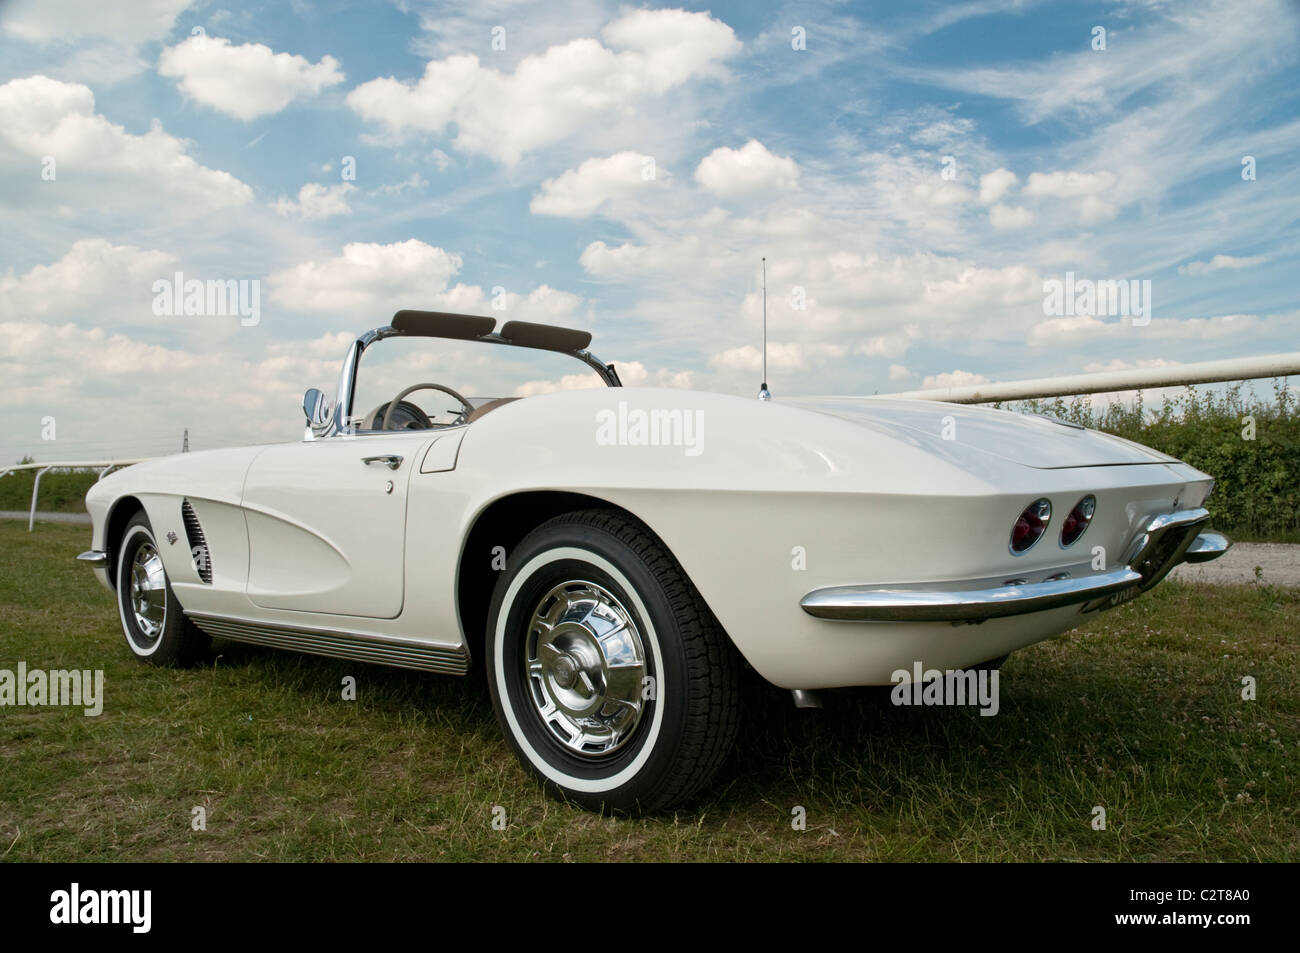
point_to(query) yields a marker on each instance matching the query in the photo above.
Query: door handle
(390, 460)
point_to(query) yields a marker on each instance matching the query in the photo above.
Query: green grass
(1139, 712)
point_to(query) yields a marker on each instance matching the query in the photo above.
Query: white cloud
(897, 372)
(1232, 327)
(374, 279)
(45, 21)
(955, 378)
(910, 191)
(544, 303)
(1116, 364)
(317, 201)
(1068, 185)
(1010, 216)
(941, 194)
(1219, 262)
(92, 380)
(631, 373)
(96, 281)
(789, 356)
(1094, 210)
(580, 192)
(98, 165)
(244, 81)
(412, 183)
(368, 278)
(1087, 187)
(750, 359)
(994, 185)
(749, 169)
(551, 95)
(674, 45)
(586, 381)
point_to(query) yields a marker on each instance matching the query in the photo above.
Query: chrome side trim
(396, 652)
(861, 604)
(94, 558)
(1165, 541)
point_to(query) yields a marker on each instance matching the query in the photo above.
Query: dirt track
(1279, 563)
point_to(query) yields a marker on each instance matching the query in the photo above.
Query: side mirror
(317, 409)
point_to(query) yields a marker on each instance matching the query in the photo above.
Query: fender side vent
(198, 543)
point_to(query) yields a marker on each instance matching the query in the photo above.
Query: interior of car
(403, 414)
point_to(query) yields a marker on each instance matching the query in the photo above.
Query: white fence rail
(103, 466)
(1176, 375)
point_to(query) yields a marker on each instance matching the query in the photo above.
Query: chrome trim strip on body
(861, 604)
(332, 643)
(1165, 541)
(94, 558)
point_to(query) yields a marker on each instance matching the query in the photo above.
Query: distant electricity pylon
(185, 443)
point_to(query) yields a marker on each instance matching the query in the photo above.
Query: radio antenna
(763, 392)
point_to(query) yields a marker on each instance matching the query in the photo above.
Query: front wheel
(153, 622)
(611, 679)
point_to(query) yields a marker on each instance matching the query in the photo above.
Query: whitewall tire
(153, 621)
(611, 680)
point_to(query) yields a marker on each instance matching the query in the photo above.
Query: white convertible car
(613, 556)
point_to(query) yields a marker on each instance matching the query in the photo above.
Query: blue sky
(913, 175)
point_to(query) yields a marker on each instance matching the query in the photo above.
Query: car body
(825, 542)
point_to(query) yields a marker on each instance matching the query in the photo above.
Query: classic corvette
(611, 558)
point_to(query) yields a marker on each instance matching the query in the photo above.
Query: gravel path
(80, 518)
(1280, 562)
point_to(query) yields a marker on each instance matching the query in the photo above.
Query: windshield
(479, 372)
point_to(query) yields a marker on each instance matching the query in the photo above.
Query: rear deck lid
(1033, 441)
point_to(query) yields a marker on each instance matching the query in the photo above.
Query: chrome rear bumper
(1167, 540)
(95, 559)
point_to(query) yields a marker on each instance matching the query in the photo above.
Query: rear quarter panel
(779, 501)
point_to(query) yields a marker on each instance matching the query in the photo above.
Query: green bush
(1257, 489)
(63, 491)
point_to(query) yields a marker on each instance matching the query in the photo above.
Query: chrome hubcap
(586, 668)
(148, 591)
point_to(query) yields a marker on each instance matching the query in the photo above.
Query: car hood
(1033, 441)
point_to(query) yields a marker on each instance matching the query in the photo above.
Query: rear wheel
(611, 680)
(153, 622)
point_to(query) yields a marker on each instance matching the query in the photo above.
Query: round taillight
(1077, 522)
(1030, 525)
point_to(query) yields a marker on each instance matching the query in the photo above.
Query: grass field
(1140, 713)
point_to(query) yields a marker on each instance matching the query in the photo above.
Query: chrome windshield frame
(340, 418)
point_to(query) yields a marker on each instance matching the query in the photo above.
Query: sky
(916, 176)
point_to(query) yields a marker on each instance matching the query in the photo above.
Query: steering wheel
(393, 404)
